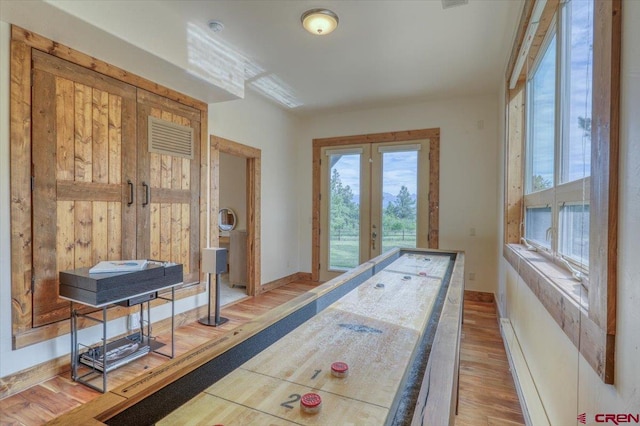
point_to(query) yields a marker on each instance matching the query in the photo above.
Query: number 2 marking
(295, 397)
(315, 374)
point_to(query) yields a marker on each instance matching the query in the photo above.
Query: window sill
(557, 275)
(566, 301)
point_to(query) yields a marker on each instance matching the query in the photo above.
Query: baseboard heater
(532, 407)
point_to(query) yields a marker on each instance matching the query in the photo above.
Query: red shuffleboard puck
(339, 369)
(310, 403)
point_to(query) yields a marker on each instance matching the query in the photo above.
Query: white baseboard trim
(532, 407)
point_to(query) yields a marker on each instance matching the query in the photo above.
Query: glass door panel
(399, 199)
(344, 211)
(399, 196)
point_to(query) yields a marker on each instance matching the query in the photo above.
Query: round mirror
(226, 219)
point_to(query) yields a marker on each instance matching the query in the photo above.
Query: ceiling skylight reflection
(218, 63)
(214, 61)
(272, 86)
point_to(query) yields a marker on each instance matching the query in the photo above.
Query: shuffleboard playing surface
(374, 328)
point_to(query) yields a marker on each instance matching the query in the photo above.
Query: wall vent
(169, 138)
(446, 4)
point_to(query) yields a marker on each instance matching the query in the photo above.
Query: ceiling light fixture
(319, 21)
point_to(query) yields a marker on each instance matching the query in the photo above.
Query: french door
(374, 197)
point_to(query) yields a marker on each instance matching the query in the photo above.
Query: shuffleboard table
(393, 323)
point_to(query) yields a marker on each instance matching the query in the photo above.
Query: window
(562, 167)
(558, 143)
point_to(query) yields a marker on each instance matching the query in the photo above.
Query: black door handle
(130, 192)
(147, 194)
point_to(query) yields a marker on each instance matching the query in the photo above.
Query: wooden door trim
(253, 157)
(401, 136)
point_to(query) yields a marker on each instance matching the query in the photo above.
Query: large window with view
(558, 148)
(561, 202)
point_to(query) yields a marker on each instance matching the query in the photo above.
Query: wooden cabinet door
(84, 155)
(168, 218)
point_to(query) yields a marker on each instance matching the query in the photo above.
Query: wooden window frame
(22, 43)
(560, 193)
(589, 322)
(396, 137)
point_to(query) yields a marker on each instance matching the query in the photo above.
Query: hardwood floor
(487, 393)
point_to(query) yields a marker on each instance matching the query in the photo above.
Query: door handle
(373, 240)
(146, 194)
(130, 192)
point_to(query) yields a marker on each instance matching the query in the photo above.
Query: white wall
(258, 123)
(567, 384)
(468, 172)
(233, 187)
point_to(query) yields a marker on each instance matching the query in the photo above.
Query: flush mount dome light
(319, 21)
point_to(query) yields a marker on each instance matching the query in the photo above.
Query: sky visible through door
(397, 195)
(398, 170)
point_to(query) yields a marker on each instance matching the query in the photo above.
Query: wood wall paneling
(514, 182)
(71, 167)
(21, 209)
(46, 306)
(434, 191)
(169, 208)
(59, 50)
(603, 235)
(83, 160)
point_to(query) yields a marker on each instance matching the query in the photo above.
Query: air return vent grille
(170, 138)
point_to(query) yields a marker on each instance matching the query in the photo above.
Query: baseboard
(479, 296)
(532, 407)
(24, 379)
(298, 276)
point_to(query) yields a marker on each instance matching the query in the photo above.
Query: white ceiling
(382, 51)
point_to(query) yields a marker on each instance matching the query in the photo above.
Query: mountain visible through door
(376, 200)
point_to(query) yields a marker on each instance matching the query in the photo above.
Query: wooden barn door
(84, 167)
(169, 185)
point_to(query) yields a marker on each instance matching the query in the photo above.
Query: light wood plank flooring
(487, 395)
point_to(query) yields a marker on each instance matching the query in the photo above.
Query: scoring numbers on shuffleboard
(294, 398)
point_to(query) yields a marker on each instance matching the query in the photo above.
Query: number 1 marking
(315, 374)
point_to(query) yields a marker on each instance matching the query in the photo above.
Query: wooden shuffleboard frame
(428, 396)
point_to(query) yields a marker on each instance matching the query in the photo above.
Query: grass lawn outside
(344, 252)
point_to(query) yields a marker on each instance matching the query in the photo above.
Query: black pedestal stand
(216, 320)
